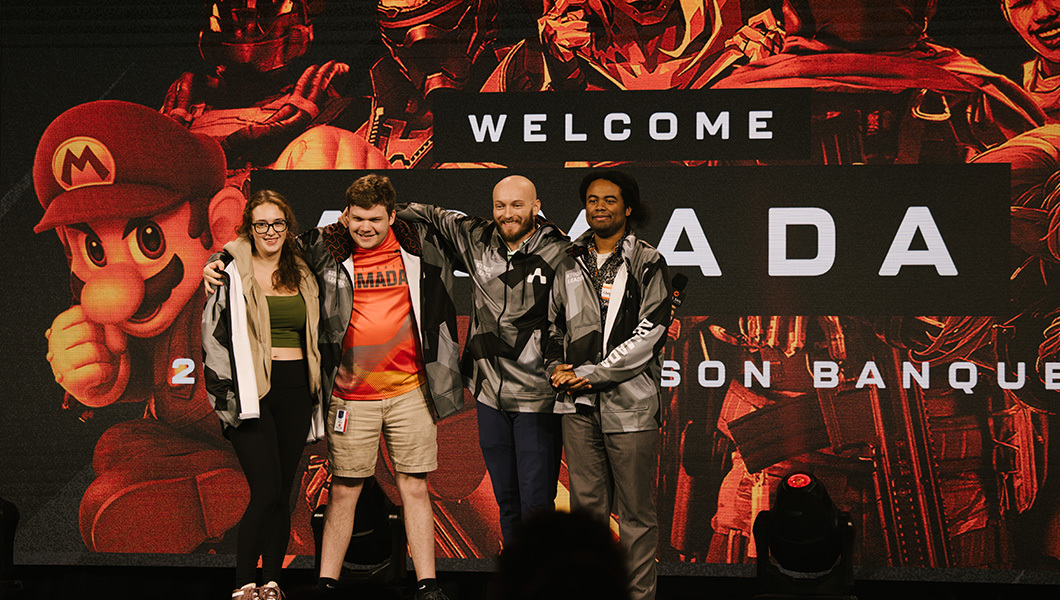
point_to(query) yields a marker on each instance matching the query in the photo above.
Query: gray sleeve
(217, 363)
(311, 243)
(557, 323)
(456, 229)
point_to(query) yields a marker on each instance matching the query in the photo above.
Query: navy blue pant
(522, 452)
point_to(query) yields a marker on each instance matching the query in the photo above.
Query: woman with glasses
(262, 370)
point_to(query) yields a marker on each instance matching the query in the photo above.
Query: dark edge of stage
(471, 579)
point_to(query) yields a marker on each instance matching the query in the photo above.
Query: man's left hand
(563, 377)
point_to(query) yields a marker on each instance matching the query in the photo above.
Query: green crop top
(287, 320)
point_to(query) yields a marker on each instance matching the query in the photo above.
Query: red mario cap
(117, 159)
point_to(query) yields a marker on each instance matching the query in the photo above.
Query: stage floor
(184, 583)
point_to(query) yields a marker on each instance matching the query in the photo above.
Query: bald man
(511, 260)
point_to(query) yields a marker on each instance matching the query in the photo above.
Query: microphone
(679, 282)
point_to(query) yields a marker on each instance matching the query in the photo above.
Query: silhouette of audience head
(561, 556)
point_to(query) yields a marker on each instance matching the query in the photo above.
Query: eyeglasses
(262, 227)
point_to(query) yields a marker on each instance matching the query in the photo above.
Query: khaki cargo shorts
(405, 423)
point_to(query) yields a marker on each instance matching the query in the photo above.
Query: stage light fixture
(805, 545)
(377, 551)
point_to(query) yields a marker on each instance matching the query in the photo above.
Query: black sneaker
(435, 594)
(328, 588)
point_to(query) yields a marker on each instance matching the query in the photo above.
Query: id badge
(341, 420)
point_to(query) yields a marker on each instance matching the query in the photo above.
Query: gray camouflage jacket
(237, 364)
(329, 253)
(504, 355)
(620, 353)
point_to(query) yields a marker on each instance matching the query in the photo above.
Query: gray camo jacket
(620, 355)
(503, 362)
(328, 251)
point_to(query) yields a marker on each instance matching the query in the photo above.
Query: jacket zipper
(504, 309)
(603, 315)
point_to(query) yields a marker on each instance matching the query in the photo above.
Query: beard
(523, 227)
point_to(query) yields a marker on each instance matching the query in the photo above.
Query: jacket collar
(340, 245)
(408, 237)
(580, 246)
(241, 251)
(544, 232)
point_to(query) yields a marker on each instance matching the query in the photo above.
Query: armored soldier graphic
(884, 93)
(1026, 430)
(431, 45)
(248, 102)
(603, 44)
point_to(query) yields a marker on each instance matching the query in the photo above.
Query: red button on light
(799, 480)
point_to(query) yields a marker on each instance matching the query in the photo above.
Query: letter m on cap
(82, 161)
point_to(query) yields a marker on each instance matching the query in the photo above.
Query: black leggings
(269, 450)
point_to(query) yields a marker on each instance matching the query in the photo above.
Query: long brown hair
(287, 275)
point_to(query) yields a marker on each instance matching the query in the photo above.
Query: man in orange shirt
(376, 342)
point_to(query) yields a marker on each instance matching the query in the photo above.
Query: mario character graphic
(139, 204)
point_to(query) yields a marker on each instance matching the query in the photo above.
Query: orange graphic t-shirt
(380, 353)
